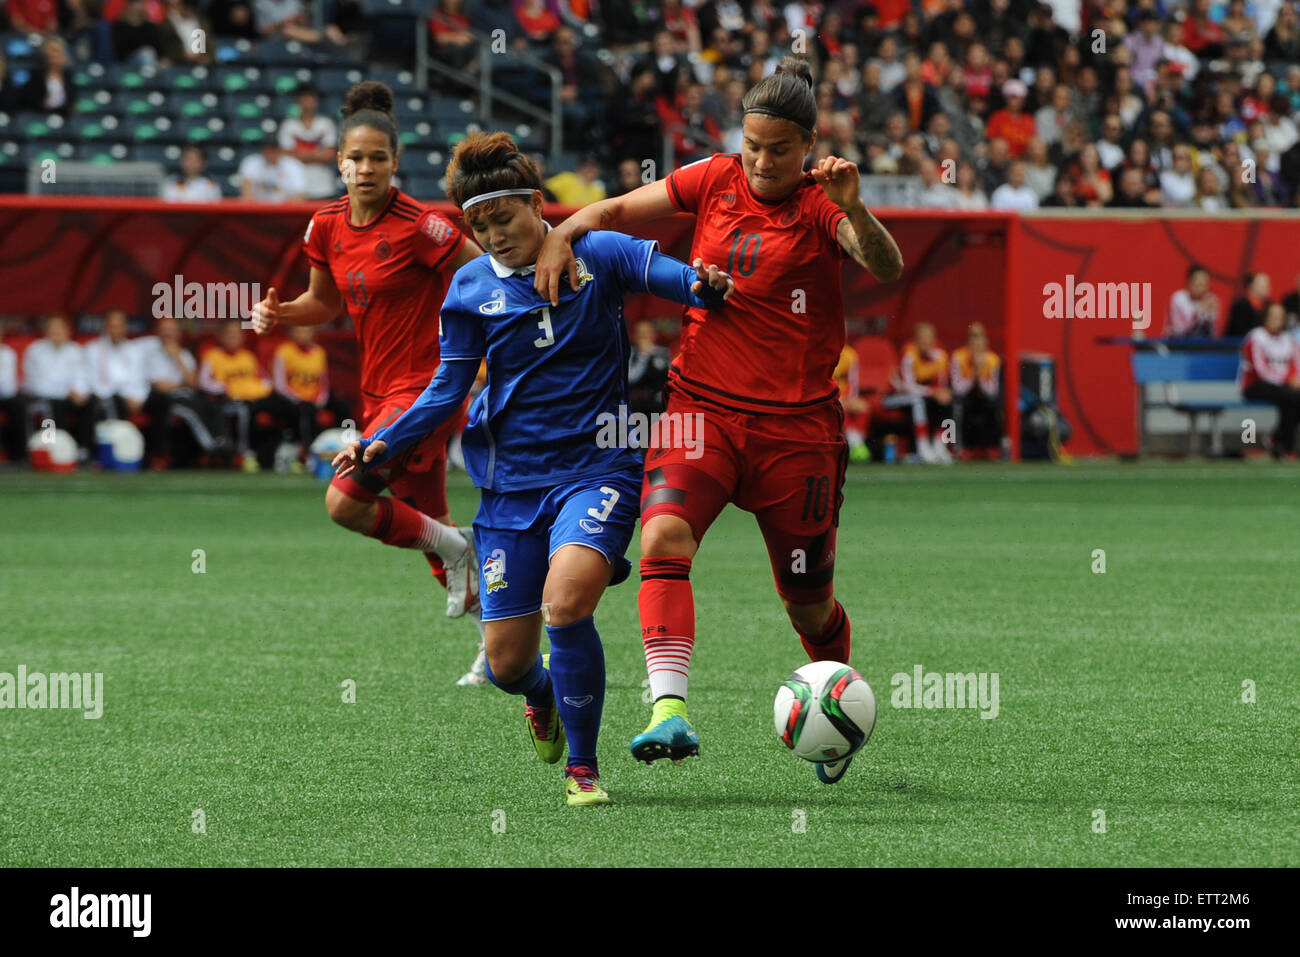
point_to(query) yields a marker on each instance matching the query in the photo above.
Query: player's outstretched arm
(438, 402)
(643, 204)
(860, 234)
(320, 303)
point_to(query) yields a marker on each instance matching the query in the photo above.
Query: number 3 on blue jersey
(606, 504)
(548, 336)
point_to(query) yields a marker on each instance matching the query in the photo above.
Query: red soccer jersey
(773, 346)
(391, 275)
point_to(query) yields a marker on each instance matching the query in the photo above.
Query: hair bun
(796, 66)
(370, 95)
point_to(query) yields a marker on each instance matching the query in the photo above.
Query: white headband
(495, 194)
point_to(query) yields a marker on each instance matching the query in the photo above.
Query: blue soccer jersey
(554, 372)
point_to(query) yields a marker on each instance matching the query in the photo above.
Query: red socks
(833, 643)
(667, 623)
(397, 523)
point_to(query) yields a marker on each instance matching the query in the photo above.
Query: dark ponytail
(786, 95)
(369, 104)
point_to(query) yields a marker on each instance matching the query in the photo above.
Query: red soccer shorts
(419, 475)
(788, 470)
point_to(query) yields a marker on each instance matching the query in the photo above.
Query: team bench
(1202, 361)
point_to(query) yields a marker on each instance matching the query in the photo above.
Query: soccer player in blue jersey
(559, 504)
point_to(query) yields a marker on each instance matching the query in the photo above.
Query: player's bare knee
(809, 619)
(344, 510)
(569, 605)
(667, 536)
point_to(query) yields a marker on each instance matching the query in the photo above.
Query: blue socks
(535, 686)
(578, 671)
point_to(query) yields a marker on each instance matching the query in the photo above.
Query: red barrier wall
(1095, 382)
(83, 255)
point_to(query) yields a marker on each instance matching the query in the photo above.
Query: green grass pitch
(1119, 692)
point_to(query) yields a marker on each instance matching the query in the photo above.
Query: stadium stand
(1174, 73)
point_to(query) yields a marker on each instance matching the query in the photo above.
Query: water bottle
(891, 449)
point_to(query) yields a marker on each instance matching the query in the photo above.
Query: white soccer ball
(323, 449)
(825, 711)
(118, 445)
(52, 450)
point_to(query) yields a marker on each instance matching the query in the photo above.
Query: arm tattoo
(870, 245)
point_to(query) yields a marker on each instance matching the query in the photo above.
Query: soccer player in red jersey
(389, 260)
(756, 373)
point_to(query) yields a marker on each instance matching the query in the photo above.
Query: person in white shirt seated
(312, 140)
(192, 185)
(1193, 311)
(54, 377)
(271, 175)
(114, 370)
(13, 410)
(1270, 372)
(173, 377)
(1014, 195)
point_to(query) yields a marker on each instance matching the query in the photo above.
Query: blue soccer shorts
(517, 533)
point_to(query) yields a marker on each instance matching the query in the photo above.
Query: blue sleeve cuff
(437, 403)
(670, 278)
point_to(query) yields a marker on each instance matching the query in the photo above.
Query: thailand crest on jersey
(494, 570)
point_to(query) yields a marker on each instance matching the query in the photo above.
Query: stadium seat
(399, 81)
(166, 153)
(333, 82)
(34, 126)
(425, 188)
(96, 76)
(248, 80)
(224, 157)
(141, 103)
(96, 101)
(101, 153)
(284, 80)
(238, 106)
(409, 108)
(16, 46)
(276, 51)
(252, 130)
(201, 130)
(186, 78)
(193, 105)
(877, 365)
(89, 128)
(397, 8)
(419, 133)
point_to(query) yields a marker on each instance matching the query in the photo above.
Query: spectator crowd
(1002, 104)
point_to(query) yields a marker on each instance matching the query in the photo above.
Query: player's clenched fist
(715, 278)
(351, 459)
(266, 313)
(839, 178)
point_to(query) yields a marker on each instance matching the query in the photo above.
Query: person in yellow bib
(976, 385)
(300, 375)
(230, 374)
